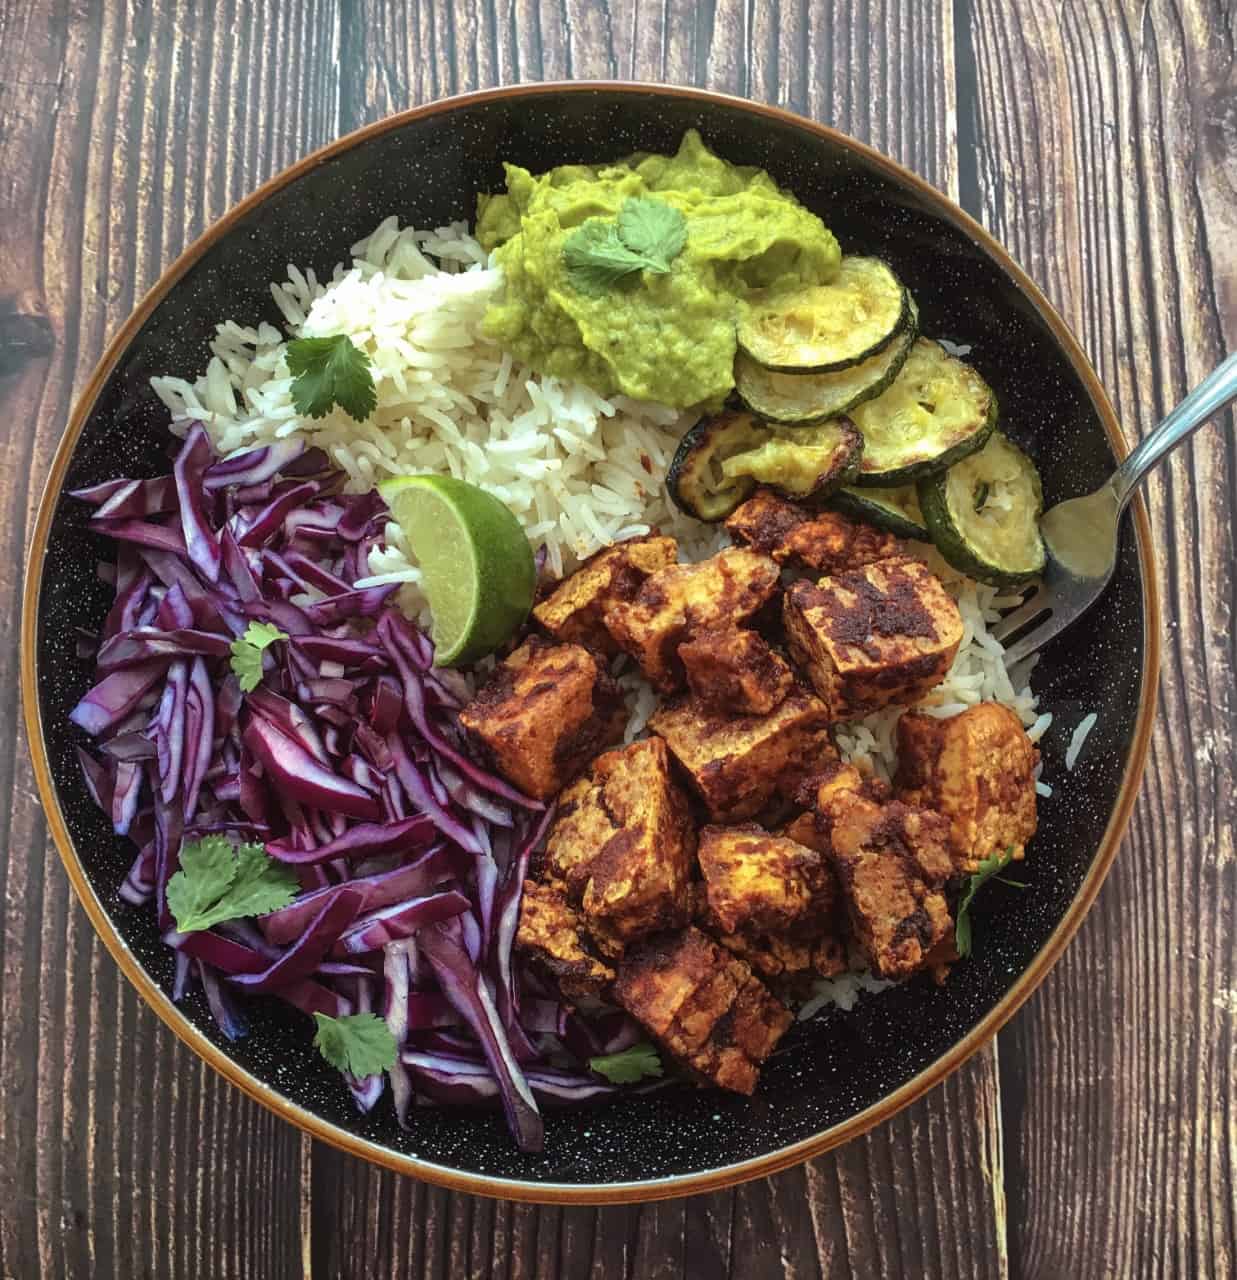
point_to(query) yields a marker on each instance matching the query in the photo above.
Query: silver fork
(1081, 533)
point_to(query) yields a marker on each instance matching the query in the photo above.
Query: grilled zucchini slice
(720, 461)
(695, 480)
(936, 411)
(822, 328)
(806, 462)
(804, 399)
(983, 514)
(896, 510)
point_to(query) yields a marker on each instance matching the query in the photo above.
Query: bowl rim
(704, 1180)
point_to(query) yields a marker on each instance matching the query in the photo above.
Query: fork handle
(1212, 396)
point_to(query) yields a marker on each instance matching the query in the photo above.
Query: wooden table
(1098, 1135)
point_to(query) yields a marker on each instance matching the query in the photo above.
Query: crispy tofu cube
(624, 845)
(552, 934)
(892, 862)
(733, 670)
(876, 637)
(574, 611)
(830, 792)
(786, 962)
(976, 768)
(543, 715)
(764, 883)
(682, 600)
(738, 764)
(703, 1006)
(822, 541)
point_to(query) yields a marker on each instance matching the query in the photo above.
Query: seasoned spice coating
(737, 764)
(553, 935)
(978, 769)
(705, 1007)
(879, 636)
(624, 845)
(892, 862)
(543, 715)
(682, 600)
(575, 610)
(733, 670)
(822, 541)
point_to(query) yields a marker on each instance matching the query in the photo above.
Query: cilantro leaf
(988, 868)
(652, 228)
(647, 235)
(247, 652)
(217, 883)
(360, 1043)
(629, 1066)
(330, 371)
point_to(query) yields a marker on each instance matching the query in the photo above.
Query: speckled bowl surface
(842, 1071)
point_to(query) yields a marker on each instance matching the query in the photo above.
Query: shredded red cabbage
(346, 761)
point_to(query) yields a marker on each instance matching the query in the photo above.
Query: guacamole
(668, 337)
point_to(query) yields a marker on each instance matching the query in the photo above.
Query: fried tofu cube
(682, 600)
(976, 768)
(764, 883)
(787, 961)
(822, 541)
(892, 863)
(830, 792)
(552, 934)
(875, 637)
(738, 764)
(733, 670)
(573, 612)
(703, 1006)
(543, 715)
(624, 845)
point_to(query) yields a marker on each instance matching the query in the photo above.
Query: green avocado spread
(665, 333)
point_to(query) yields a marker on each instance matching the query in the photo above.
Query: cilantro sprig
(628, 1066)
(247, 652)
(988, 868)
(360, 1043)
(217, 882)
(647, 235)
(330, 371)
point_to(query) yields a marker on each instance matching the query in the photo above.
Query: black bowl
(843, 1071)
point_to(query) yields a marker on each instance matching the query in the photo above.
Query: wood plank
(877, 1206)
(1118, 1080)
(124, 130)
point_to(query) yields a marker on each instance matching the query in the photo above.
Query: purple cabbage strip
(270, 519)
(142, 644)
(417, 788)
(368, 840)
(292, 768)
(201, 543)
(396, 972)
(453, 1080)
(228, 1016)
(254, 466)
(303, 957)
(398, 922)
(115, 696)
(219, 952)
(464, 986)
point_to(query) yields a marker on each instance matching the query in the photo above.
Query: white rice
(1085, 725)
(579, 470)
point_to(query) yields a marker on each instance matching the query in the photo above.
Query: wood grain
(1098, 142)
(1118, 1088)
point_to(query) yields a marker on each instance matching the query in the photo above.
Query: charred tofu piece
(703, 1006)
(822, 541)
(738, 764)
(552, 934)
(573, 613)
(764, 883)
(876, 637)
(682, 600)
(830, 792)
(786, 962)
(892, 863)
(624, 845)
(978, 769)
(543, 715)
(732, 670)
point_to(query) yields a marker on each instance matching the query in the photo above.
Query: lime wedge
(476, 565)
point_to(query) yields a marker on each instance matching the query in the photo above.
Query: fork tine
(1035, 639)
(1024, 613)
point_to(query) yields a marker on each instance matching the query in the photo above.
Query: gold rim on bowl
(584, 1193)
